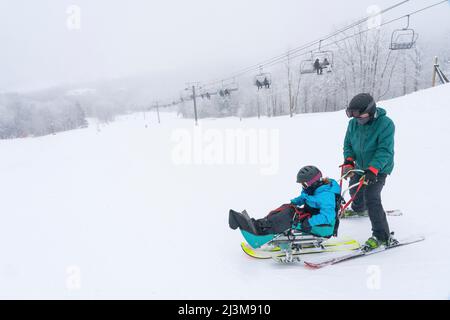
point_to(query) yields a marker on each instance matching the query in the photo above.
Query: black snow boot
(242, 221)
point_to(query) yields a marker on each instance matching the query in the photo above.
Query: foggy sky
(172, 40)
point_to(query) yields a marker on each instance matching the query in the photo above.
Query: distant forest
(61, 109)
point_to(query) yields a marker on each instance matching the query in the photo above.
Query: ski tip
(412, 239)
(245, 246)
(250, 252)
(247, 250)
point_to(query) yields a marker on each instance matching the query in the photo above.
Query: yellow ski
(329, 246)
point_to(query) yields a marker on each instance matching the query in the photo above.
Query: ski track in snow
(109, 215)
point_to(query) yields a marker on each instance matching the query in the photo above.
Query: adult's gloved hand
(370, 176)
(349, 162)
(347, 166)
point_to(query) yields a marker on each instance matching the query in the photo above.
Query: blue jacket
(324, 198)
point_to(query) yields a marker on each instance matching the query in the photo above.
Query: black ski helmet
(309, 175)
(361, 104)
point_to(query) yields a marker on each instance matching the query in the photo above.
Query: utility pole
(194, 98)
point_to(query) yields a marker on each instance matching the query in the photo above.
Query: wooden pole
(434, 71)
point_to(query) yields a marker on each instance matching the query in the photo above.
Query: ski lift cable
(361, 32)
(312, 43)
(284, 57)
(315, 42)
(364, 31)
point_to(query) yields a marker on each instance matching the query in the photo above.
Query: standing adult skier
(369, 146)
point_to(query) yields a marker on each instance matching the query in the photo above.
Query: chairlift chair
(204, 94)
(227, 88)
(307, 66)
(403, 39)
(325, 56)
(263, 80)
(224, 92)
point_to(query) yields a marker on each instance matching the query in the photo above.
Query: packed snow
(137, 209)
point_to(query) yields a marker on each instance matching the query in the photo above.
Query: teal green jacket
(371, 145)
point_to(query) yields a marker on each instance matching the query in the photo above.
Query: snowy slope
(112, 214)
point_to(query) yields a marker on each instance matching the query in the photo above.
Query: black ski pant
(369, 198)
(275, 223)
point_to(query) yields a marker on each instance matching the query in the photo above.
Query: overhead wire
(305, 49)
(306, 46)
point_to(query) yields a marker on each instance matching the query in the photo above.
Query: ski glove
(348, 165)
(370, 177)
(349, 162)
